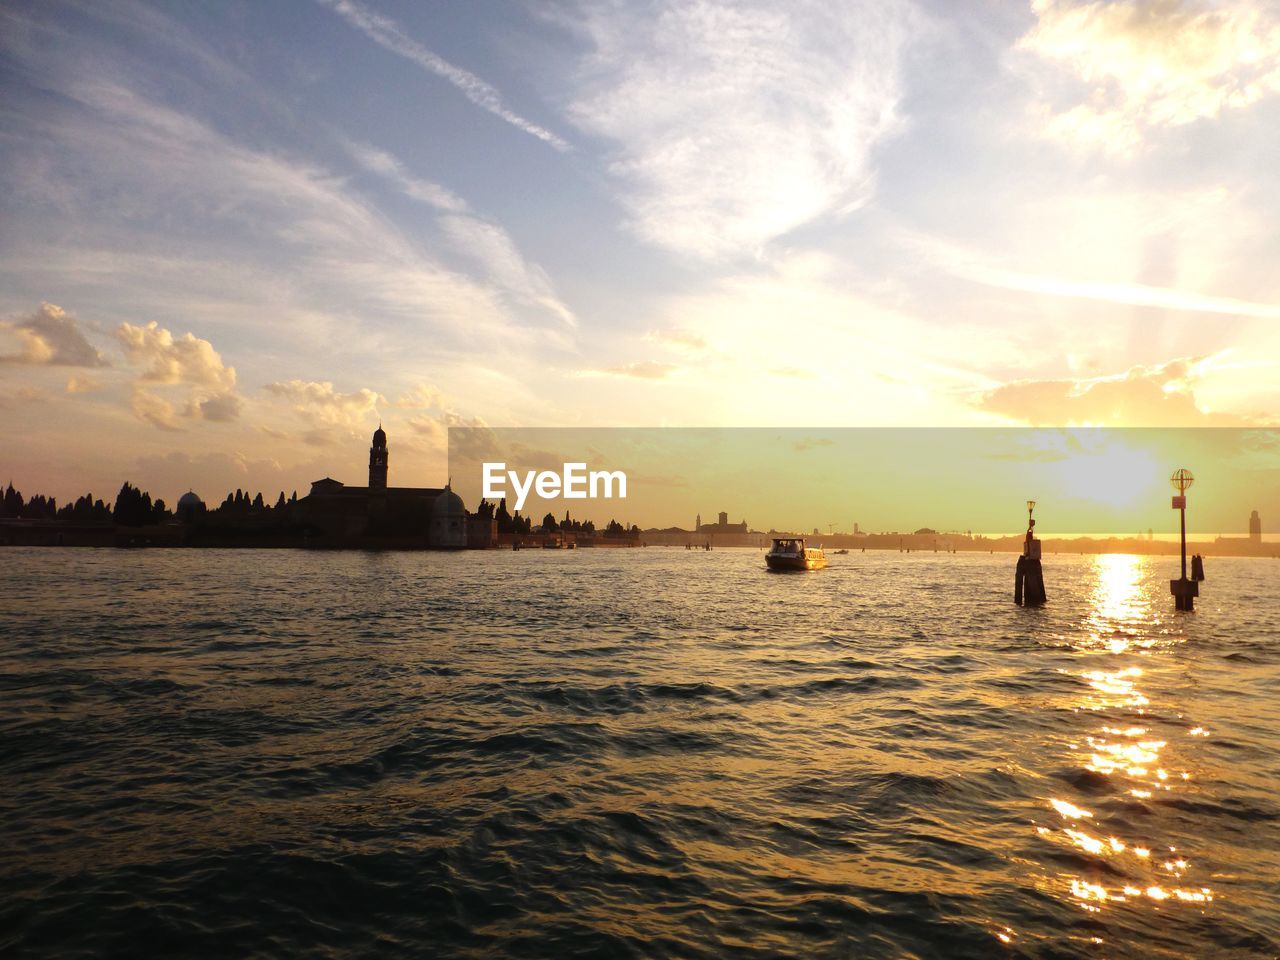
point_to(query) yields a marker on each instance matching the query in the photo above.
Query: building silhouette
(378, 513)
(378, 457)
(722, 525)
(1255, 527)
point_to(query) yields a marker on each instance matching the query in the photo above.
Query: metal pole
(1182, 513)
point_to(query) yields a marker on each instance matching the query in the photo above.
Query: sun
(1109, 472)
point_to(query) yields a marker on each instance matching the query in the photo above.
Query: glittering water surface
(634, 753)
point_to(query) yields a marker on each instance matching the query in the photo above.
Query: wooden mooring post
(1028, 579)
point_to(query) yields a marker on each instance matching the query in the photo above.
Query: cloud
(222, 407)
(492, 247)
(735, 123)
(20, 396)
(971, 266)
(51, 337)
(1144, 396)
(388, 34)
(185, 361)
(390, 168)
(678, 340)
(485, 243)
(639, 370)
(166, 359)
(320, 403)
(154, 409)
(1150, 64)
(280, 215)
(83, 385)
(424, 396)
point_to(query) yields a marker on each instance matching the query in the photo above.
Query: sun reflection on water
(1120, 624)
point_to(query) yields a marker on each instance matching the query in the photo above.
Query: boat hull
(786, 563)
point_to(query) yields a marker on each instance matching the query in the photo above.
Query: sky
(235, 237)
(1084, 480)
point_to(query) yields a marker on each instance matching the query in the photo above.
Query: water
(634, 753)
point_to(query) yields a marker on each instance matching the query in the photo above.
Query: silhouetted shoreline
(45, 533)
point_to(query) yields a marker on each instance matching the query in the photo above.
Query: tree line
(133, 507)
(516, 524)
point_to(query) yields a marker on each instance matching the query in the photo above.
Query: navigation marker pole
(1184, 591)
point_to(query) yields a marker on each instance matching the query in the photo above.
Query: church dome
(448, 505)
(448, 527)
(189, 499)
(379, 437)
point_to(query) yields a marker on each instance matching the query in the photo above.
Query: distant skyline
(233, 238)
(1085, 480)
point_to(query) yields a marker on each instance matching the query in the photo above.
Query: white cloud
(320, 403)
(50, 336)
(166, 359)
(425, 191)
(188, 362)
(736, 123)
(970, 265)
(387, 33)
(1147, 64)
(338, 248)
(491, 246)
(482, 241)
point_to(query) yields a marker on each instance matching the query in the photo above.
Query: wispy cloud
(1146, 64)
(639, 370)
(392, 169)
(387, 33)
(735, 123)
(971, 266)
(484, 242)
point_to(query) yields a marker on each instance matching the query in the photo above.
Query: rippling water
(634, 753)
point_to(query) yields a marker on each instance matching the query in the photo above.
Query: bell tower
(378, 460)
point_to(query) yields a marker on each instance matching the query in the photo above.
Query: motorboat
(790, 553)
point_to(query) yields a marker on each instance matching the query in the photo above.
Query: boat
(790, 553)
(841, 553)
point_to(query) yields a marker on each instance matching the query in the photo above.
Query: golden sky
(234, 240)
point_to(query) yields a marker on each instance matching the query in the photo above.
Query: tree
(133, 507)
(280, 504)
(12, 504)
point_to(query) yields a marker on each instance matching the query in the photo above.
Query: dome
(448, 504)
(448, 527)
(379, 437)
(189, 499)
